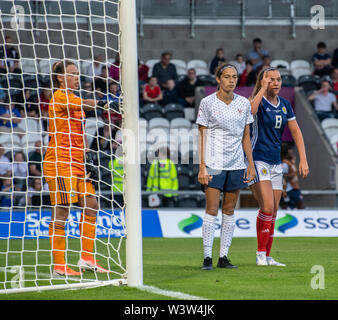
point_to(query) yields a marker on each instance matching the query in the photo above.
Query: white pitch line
(151, 289)
(172, 294)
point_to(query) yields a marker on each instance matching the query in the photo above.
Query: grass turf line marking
(172, 294)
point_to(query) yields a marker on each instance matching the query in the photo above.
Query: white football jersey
(225, 123)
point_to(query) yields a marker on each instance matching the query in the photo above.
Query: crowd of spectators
(21, 172)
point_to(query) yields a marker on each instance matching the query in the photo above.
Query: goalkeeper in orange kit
(69, 169)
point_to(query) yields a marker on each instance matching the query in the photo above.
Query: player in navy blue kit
(271, 114)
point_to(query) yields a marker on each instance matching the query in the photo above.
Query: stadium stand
(36, 74)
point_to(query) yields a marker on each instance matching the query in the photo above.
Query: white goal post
(83, 32)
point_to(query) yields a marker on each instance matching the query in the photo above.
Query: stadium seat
(10, 141)
(179, 123)
(334, 142)
(29, 125)
(183, 174)
(208, 80)
(308, 82)
(181, 77)
(288, 81)
(158, 123)
(299, 72)
(28, 65)
(151, 110)
(329, 123)
(197, 63)
(150, 63)
(187, 201)
(330, 132)
(181, 66)
(190, 114)
(44, 66)
(280, 64)
(300, 64)
(85, 65)
(143, 123)
(173, 110)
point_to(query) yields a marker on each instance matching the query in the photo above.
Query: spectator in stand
(324, 101)
(5, 164)
(164, 70)
(187, 86)
(257, 54)
(45, 97)
(20, 171)
(96, 69)
(152, 92)
(34, 193)
(143, 71)
(265, 64)
(321, 61)
(113, 93)
(239, 63)
(99, 94)
(114, 70)
(334, 79)
(35, 160)
(170, 93)
(248, 77)
(9, 57)
(219, 57)
(31, 104)
(292, 196)
(6, 199)
(10, 117)
(87, 93)
(101, 81)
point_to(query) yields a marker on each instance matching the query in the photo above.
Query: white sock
(208, 233)
(227, 231)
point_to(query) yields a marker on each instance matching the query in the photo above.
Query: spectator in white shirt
(325, 102)
(240, 64)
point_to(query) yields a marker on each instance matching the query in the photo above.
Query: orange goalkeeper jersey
(65, 151)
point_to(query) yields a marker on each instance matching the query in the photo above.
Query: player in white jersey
(224, 118)
(272, 113)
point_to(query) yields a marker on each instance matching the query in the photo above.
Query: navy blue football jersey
(267, 129)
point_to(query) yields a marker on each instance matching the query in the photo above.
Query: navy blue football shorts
(226, 180)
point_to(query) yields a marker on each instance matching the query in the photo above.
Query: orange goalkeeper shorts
(67, 190)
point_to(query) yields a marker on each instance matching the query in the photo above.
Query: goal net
(42, 185)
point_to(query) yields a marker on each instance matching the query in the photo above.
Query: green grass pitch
(175, 265)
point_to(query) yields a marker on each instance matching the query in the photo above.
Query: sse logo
(191, 223)
(287, 222)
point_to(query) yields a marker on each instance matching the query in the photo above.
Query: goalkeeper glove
(91, 168)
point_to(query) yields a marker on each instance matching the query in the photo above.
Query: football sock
(227, 231)
(87, 233)
(272, 231)
(208, 234)
(263, 224)
(57, 239)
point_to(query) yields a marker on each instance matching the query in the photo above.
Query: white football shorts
(272, 172)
